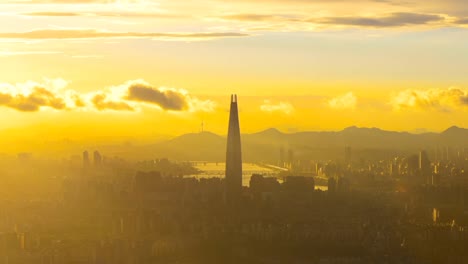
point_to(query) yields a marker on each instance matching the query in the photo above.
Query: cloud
(346, 101)
(249, 17)
(299, 21)
(23, 53)
(103, 14)
(461, 21)
(283, 107)
(260, 17)
(167, 99)
(199, 105)
(88, 56)
(37, 98)
(53, 14)
(444, 100)
(92, 33)
(101, 102)
(130, 96)
(391, 20)
(75, 99)
(135, 94)
(32, 97)
(60, 1)
(137, 1)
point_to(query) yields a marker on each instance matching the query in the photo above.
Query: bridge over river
(217, 170)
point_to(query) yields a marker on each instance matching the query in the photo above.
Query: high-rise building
(347, 154)
(97, 159)
(425, 167)
(281, 157)
(424, 163)
(290, 159)
(85, 159)
(233, 155)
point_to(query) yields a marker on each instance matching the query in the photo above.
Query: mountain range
(265, 145)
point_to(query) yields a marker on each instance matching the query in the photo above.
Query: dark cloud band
(168, 99)
(91, 33)
(392, 20)
(39, 97)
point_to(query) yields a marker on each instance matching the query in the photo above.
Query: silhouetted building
(290, 159)
(425, 167)
(266, 184)
(412, 164)
(233, 155)
(97, 159)
(447, 153)
(86, 159)
(24, 157)
(331, 185)
(298, 184)
(435, 154)
(347, 154)
(424, 162)
(342, 184)
(145, 182)
(281, 157)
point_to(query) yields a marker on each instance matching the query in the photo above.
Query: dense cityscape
(96, 209)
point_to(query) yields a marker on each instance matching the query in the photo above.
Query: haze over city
(215, 131)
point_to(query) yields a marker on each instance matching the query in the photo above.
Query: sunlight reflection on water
(216, 170)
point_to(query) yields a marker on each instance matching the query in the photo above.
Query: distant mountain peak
(454, 129)
(351, 128)
(198, 136)
(206, 133)
(356, 128)
(271, 131)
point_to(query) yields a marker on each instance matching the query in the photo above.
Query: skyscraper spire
(233, 155)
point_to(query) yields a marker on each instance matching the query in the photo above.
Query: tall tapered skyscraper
(233, 155)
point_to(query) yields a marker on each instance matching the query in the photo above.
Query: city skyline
(308, 197)
(348, 144)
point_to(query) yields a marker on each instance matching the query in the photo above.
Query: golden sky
(141, 68)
